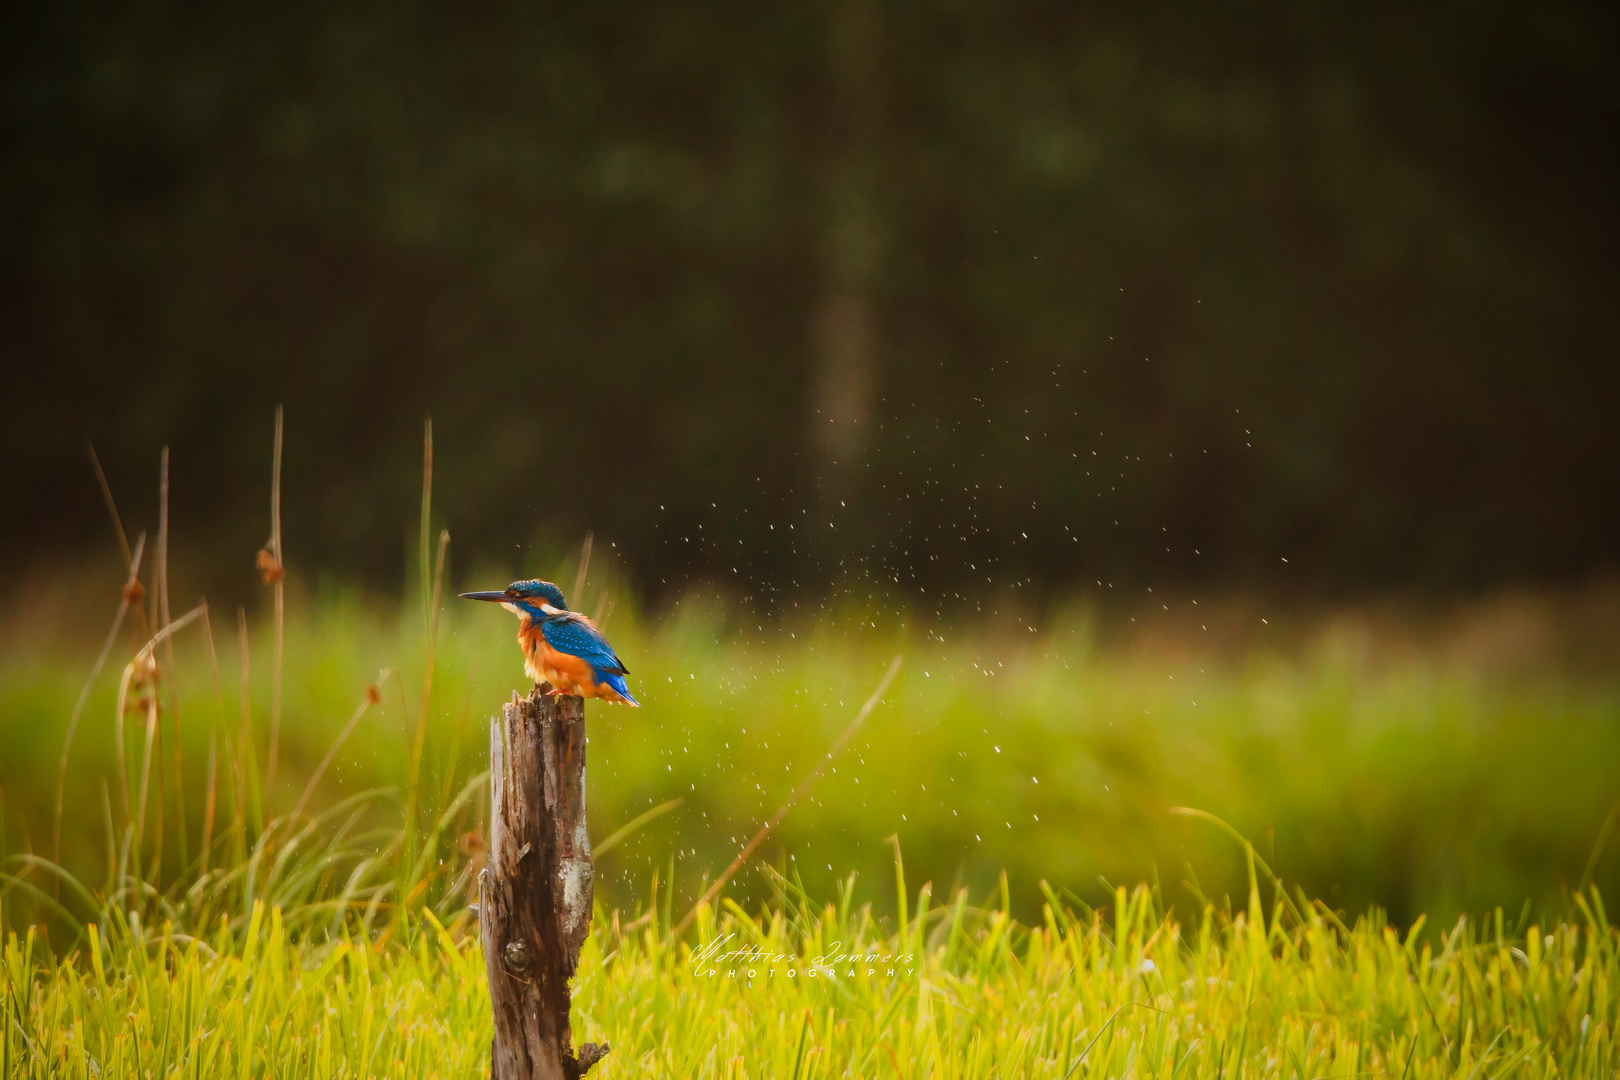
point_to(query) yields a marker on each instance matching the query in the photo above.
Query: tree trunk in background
(844, 336)
(534, 908)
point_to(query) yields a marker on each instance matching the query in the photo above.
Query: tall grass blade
(798, 793)
(370, 698)
(168, 678)
(629, 828)
(1599, 846)
(424, 583)
(273, 563)
(577, 597)
(129, 595)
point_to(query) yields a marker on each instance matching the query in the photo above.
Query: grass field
(954, 991)
(1423, 767)
(1439, 769)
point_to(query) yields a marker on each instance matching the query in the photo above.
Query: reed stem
(168, 670)
(131, 585)
(277, 574)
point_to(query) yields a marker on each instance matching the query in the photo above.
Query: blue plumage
(570, 633)
(535, 589)
(618, 683)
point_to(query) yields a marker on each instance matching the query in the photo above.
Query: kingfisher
(561, 647)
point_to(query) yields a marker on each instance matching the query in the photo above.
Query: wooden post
(534, 908)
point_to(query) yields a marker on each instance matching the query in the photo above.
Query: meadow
(1436, 793)
(1435, 766)
(804, 991)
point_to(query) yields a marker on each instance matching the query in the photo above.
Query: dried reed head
(269, 566)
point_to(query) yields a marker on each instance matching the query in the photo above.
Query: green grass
(1020, 765)
(954, 991)
(1368, 769)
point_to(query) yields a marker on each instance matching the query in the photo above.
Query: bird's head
(534, 598)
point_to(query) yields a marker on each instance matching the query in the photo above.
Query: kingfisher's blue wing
(575, 635)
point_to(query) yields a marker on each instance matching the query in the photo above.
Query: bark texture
(534, 906)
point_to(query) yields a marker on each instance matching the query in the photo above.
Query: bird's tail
(617, 684)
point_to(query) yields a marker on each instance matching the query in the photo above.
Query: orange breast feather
(563, 671)
(567, 673)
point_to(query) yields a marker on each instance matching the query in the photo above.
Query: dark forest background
(1064, 292)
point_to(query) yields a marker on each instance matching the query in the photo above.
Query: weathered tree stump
(534, 907)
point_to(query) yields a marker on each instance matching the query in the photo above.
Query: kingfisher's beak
(495, 596)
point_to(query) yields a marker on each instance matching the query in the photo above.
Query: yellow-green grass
(333, 942)
(949, 991)
(1400, 775)
(1392, 776)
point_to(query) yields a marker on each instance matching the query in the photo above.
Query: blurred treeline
(1064, 293)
